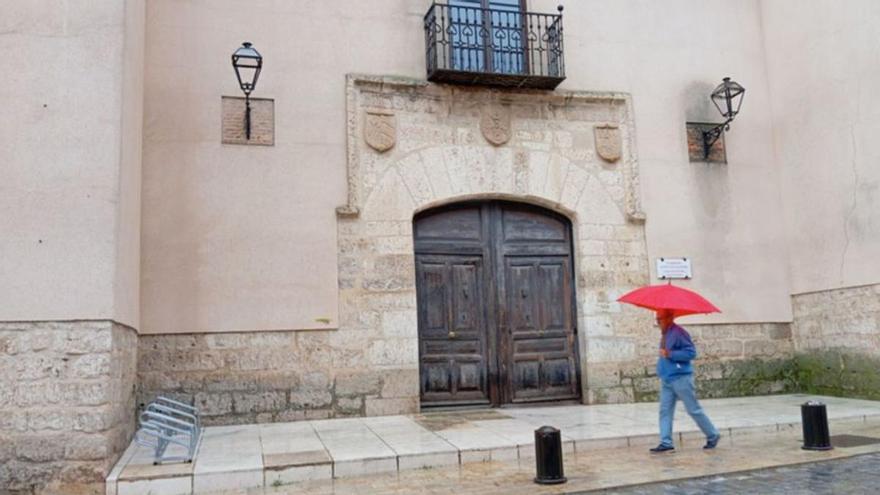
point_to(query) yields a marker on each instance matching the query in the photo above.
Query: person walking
(676, 374)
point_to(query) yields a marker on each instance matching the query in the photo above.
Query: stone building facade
(147, 247)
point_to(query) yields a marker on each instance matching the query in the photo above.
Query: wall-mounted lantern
(727, 98)
(247, 63)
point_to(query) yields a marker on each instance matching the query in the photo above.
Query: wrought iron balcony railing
(494, 47)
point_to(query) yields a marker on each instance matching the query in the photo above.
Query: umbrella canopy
(669, 297)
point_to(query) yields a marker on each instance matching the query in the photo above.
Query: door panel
(452, 331)
(541, 336)
(496, 305)
(432, 284)
(459, 224)
(528, 226)
(553, 284)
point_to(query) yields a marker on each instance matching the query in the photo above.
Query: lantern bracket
(713, 134)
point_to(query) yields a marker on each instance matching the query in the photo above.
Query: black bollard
(815, 423)
(548, 456)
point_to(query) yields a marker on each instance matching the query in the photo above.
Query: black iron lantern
(727, 98)
(247, 63)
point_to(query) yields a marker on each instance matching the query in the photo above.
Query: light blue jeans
(681, 387)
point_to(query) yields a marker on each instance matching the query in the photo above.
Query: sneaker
(661, 448)
(711, 443)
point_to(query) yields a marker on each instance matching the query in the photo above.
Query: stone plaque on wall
(262, 121)
(674, 268)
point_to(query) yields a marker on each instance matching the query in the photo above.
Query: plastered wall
(823, 70)
(726, 218)
(243, 238)
(70, 160)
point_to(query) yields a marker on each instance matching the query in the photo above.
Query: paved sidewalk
(607, 471)
(469, 446)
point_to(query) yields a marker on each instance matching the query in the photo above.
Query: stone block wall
(370, 365)
(836, 334)
(743, 359)
(842, 319)
(734, 360)
(259, 377)
(67, 404)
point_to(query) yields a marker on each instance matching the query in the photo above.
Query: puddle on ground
(442, 420)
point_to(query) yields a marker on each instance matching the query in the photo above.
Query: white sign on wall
(673, 268)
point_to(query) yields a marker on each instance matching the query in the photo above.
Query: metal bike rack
(165, 422)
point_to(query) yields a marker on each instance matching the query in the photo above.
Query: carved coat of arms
(495, 124)
(608, 142)
(380, 129)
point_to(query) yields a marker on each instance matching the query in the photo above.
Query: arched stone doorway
(496, 305)
(439, 157)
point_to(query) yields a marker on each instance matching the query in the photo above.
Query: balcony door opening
(487, 36)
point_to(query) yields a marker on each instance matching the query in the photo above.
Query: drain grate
(852, 440)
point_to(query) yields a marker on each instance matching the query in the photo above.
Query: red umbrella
(669, 297)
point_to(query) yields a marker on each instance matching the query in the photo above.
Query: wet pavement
(741, 461)
(490, 451)
(855, 475)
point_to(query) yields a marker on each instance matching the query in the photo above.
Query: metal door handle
(452, 335)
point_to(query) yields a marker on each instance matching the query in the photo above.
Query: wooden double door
(495, 305)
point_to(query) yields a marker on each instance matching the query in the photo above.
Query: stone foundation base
(843, 319)
(840, 373)
(67, 408)
(259, 377)
(734, 360)
(284, 376)
(293, 375)
(837, 337)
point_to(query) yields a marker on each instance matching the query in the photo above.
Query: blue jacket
(681, 351)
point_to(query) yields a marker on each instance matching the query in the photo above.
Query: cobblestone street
(854, 475)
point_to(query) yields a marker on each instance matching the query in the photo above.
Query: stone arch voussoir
(444, 174)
